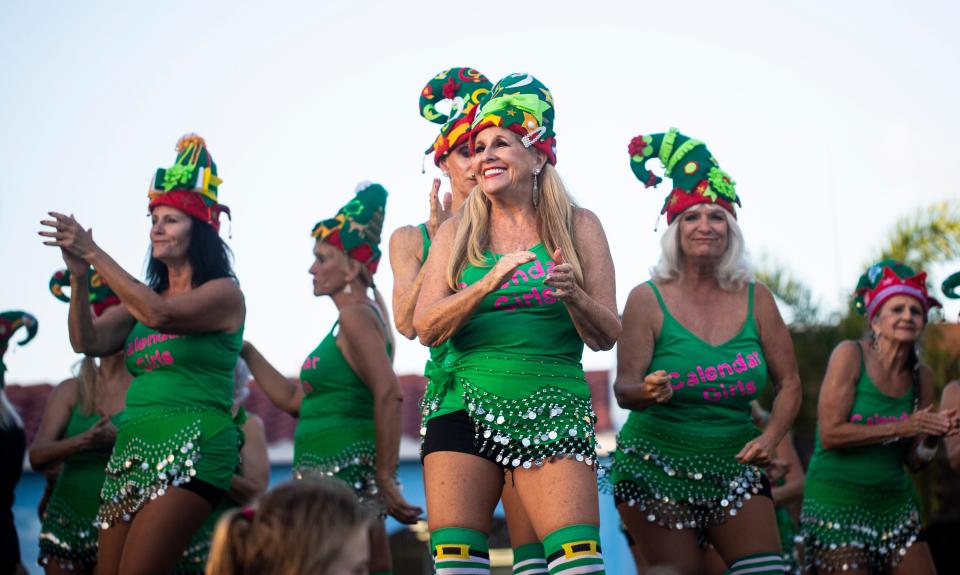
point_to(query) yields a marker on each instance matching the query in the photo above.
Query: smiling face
(703, 231)
(901, 319)
(502, 164)
(331, 269)
(170, 234)
(458, 164)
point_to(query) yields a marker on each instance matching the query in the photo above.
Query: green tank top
(181, 372)
(334, 395)
(82, 476)
(878, 465)
(522, 318)
(427, 242)
(712, 384)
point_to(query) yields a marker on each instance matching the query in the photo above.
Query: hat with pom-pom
(696, 174)
(521, 104)
(462, 88)
(190, 184)
(886, 279)
(10, 322)
(101, 296)
(355, 230)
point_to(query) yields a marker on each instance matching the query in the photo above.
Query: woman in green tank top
(874, 416)
(73, 445)
(348, 399)
(409, 246)
(699, 342)
(176, 446)
(517, 281)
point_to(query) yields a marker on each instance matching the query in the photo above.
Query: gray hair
(733, 270)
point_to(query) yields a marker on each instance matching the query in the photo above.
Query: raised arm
(49, 447)
(364, 346)
(440, 312)
(406, 249)
(782, 367)
(634, 388)
(285, 394)
(593, 306)
(253, 481)
(217, 305)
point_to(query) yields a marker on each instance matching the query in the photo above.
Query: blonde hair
(733, 271)
(298, 527)
(555, 227)
(88, 375)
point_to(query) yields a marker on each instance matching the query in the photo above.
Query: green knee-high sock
(529, 559)
(455, 549)
(574, 549)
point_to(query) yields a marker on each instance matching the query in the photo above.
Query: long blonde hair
(555, 226)
(89, 378)
(298, 527)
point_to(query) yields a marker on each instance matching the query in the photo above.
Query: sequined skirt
(847, 526)
(681, 479)
(68, 536)
(346, 452)
(526, 411)
(154, 452)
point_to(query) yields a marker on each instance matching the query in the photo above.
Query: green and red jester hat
(463, 88)
(10, 322)
(101, 296)
(355, 230)
(521, 104)
(886, 279)
(696, 174)
(190, 184)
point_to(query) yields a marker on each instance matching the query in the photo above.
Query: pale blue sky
(835, 118)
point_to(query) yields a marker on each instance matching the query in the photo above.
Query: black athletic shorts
(455, 432)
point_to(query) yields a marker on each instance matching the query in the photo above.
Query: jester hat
(10, 322)
(521, 104)
(190, 184)
(696, 175)
(356, 228)
(101, 296)
(463, 88)
(886, 279)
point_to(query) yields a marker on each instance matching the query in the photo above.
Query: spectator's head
(309, 527)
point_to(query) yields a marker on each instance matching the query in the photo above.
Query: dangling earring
(445, 174)
(348, 289)
(875, 344)
(536, 189)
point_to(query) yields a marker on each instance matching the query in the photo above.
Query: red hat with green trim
(696, 174)
(101, 296)
(521, 104)
(10, 322)
(462, 88)
(355, 230)
(888, 278)
(190, 184)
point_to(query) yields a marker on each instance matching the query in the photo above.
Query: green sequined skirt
(347, 452)
(68, 536)
(527, 411)
(847, 526)
(163, 449)
(681, 479)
